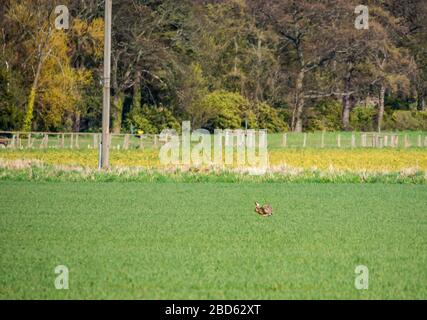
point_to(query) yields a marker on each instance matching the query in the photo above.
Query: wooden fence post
(386, 141)
(45, 142)
(71, 141)
(304, 143)
(95, 141)
(141, 142)
(363, 140)
(419, 141)
(126, 142)
(407, 144)
(77, 141)
(13, 144)
(29, 141)
(18, 141)
(285, 140)
(339, 140)
(380, 142)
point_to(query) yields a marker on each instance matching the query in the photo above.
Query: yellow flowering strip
(374, 160)
(347, 159)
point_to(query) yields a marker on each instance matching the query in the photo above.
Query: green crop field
(203, 240)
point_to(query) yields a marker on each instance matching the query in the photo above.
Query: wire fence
(62, 140)
(354, 140)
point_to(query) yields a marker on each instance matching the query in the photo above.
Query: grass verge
(22, 170)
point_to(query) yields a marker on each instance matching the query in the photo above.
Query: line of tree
(275, 64)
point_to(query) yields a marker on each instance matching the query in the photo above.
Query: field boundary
(126, 141)
(34, 170)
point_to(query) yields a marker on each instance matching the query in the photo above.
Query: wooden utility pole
(105, 150)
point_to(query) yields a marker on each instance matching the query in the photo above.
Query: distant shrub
(269, 118)
(232, 111)
(151, 120)
(406, 120)
(325, 116)
(10, 117)
(227, 110)
(11, 97)
(363, 118)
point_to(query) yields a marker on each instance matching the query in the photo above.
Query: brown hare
(264, 211)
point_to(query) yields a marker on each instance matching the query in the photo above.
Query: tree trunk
(76, 122)
(299, 103)
(32, 98)
(421, 101)
(117, 112)
(381, 108)
(347, 101)
(346, 112)
(42, 54)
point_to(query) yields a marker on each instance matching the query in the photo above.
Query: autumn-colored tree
(55, 84)
(292, 61)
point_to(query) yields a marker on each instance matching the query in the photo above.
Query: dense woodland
(282, 65)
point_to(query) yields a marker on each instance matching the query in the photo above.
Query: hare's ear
(256, 204)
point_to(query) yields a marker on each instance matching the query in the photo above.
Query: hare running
(264, 211)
